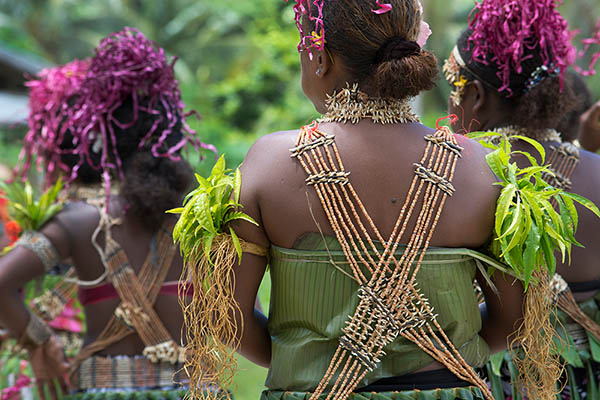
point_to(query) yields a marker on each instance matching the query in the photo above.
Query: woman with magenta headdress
(114, 127)
(507, 72)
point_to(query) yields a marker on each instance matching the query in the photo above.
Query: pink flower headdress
(316, 39)
(424, 30)
(49, 114)
(126, 65)
(505, 30)
(588, 43)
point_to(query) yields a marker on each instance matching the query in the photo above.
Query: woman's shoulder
(271, 148)
(589, 157)
(78, 217)
(283, 139)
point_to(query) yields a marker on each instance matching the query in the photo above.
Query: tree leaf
(236, 244)
(496, 362)
(534, 143)
(495, 164)
(219, 167)
(237, 185)
(240, 215)
(207, 241)
(584, 202)
(503, 206)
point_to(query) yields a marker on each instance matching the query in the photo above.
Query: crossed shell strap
(136, 310)
(138, 294)
(390, 303)
(563, 161)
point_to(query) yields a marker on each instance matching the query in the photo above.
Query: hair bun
(397, 48)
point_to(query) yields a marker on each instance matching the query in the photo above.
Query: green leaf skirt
(464, 393)
(175, 394)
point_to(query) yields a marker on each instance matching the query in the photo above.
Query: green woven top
(312, 297)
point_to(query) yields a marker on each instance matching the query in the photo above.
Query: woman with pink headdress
(114, 127)
(507, 73)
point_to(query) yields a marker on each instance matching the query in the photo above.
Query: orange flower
(13, 230)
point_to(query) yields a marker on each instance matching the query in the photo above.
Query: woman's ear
(475, 102)
(323, 62)
(480, 97)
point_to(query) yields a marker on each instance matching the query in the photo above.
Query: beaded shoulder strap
(138, 294)
(563, 160)
(390, 304)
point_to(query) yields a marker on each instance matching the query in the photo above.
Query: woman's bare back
(79, 221)
(380, 160)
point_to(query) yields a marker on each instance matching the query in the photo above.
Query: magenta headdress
(506, 32)
(588, 43)
(313, 9)
(126, 67)
(49, 110)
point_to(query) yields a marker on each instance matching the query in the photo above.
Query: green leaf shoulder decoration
(533, 222)
(528, 228)
(211, 248)
(29, 210)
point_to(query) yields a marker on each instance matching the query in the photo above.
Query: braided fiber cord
(390, 304)
(147, 286)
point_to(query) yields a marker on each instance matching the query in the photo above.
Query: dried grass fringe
(539, 365)
(209, 328)
(567, 303)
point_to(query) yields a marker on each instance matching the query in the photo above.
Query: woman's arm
(18, 267)
(504, 310)
(255, 341)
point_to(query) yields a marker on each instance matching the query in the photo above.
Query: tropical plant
(208, 210)
(211, 248)
(528, 228)
(31, 212)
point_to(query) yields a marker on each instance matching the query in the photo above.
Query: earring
(319, 71)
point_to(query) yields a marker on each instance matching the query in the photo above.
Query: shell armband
(42, 247)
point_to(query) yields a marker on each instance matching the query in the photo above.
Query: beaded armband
(42, 247)
(36, 333)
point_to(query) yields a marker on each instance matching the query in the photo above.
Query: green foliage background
(238, 67)
(237, 60)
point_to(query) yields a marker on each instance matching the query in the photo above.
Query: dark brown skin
(70, 231)
(380, 158)
(589, 129)
(483, 110)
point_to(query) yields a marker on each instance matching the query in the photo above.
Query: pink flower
(424, 30)
(383, 8)
(13, 392)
